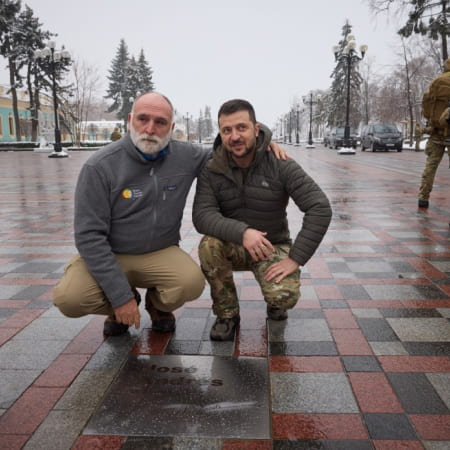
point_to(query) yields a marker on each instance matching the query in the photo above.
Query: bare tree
(86, 84)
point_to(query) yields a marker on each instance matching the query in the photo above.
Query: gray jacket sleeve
(92, 225)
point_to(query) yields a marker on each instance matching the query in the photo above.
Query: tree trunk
(444, 34)
(12, 82)
(33, 107)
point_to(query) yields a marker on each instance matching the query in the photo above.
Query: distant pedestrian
(435, 104)
(115, 135)
(240, 205)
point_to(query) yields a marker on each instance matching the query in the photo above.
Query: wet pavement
(363, 361)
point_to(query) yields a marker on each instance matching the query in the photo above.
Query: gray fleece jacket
(226, 204)
(127, 204)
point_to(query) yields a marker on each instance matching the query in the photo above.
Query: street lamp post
(349, 56)
(310, 102)
(54, 58)
(187, 118)
(297, 126)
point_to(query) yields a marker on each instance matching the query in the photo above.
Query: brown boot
(162, 321)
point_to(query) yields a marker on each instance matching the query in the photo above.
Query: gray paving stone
(389, 426)
(388, 348)
(22, 354)
(367, 313)
(445, 312)
(189, 328)
(311, 393)
(421, 329)
(58, 431)
(403, 292)
(52, 328)
(441, 382)
(302, 349)
(87, 390)
(416, 394)
(176, 443)
(13, 383)
(436, 445)
(112, 353)
(353, 235)
(299, 330)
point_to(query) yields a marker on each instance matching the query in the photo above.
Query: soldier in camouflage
(240, 206)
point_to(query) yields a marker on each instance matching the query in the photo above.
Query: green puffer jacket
(225, 205)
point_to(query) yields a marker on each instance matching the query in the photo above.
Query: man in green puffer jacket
(240, 205)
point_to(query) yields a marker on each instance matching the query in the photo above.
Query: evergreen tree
(437, 27)
(10, 36)
(145, 74)
(34, 37)
(208, 123)
(338, 94)
(117, 90)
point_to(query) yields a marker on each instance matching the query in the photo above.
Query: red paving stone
(247, 445)
(305, 364)
(62, 371)
(99, 443)
(398, 445)
(29, 411)
(374, 393)
(318, 426)
(341, 318)
(432, 427)
(415, 363)
(351, 342)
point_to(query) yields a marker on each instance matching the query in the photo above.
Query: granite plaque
(203, 396)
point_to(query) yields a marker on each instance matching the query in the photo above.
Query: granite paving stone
(421, 330)
(417, 394)
(312, 393)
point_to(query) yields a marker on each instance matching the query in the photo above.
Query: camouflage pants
(218, 260)
(434, 151)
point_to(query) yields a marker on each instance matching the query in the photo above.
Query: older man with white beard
(129, 203)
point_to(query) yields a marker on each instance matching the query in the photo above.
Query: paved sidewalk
(363, 361)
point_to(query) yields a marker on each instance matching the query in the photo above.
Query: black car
(336, 138)
(381, 136)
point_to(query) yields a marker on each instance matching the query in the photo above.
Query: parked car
(381, 136)
(336, 138)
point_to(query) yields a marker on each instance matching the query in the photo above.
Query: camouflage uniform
(220, 258)
(434, 150)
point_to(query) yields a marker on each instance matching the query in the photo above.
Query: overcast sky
(204, 52)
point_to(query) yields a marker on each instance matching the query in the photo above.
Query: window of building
(11, 125)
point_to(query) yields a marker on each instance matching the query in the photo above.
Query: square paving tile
(202, 396)
(421, 329)
(312, 393)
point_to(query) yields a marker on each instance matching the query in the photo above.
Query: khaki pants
(434, 151)
(174, 275)
(218, 261)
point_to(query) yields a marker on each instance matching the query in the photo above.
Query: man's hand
(128, 313)
(281, 270)
(256, 244)
(278, 152)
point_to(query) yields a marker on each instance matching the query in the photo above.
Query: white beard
(148, 144)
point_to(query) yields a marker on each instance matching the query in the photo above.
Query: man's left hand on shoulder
(279, 152)
(280, 270)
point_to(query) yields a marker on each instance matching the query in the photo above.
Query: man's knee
(68, 305)
(209, 248)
